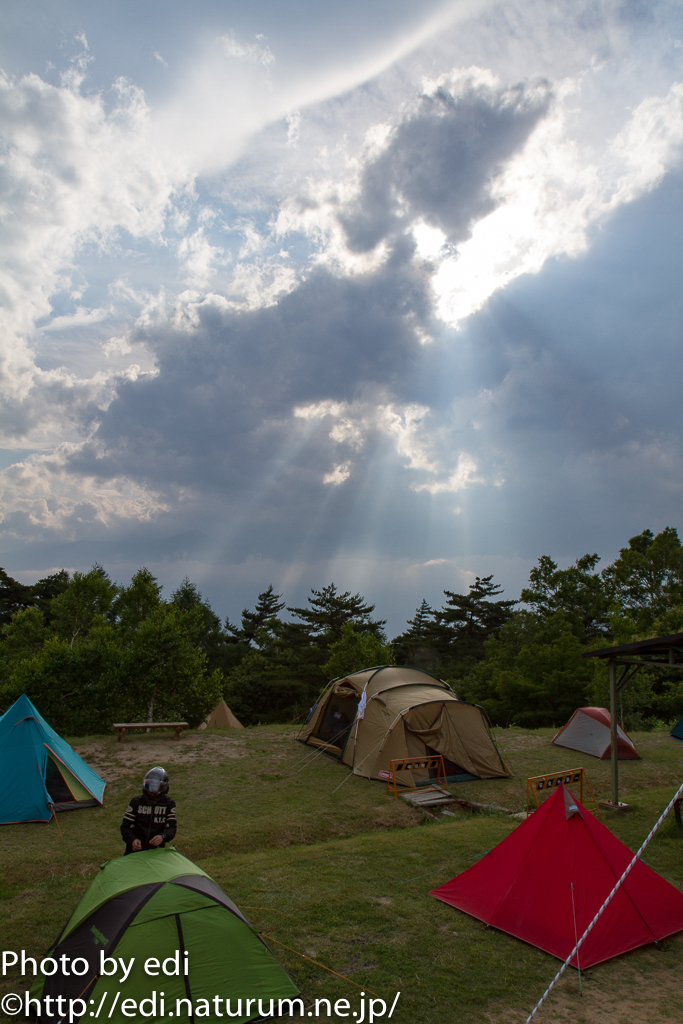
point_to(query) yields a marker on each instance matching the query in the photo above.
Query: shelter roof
(671, 646)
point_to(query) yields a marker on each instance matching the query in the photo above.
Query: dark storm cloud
(440, 163)
(224, 396)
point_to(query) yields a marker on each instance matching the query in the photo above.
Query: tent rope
(576, 937)
(359, 765)
(318, 964)
(309, 758)
(600, 912)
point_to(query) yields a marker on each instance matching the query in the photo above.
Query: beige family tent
(589, 730)
(368, 718)
(221, 718)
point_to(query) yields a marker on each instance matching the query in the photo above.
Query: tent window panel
(337, 719)
(55, 784)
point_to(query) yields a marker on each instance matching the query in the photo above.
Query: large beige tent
(221, 718)
(368, 718)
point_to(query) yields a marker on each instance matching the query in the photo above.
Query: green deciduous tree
(14, 597)
(578, 592)
(261, 689)
(165, 672)
(533, 673)
(86, 602)
(76, 684)
(355, 651)
(645, 581)
(137, 601)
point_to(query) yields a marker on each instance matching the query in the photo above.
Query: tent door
(64, 789)
(56, 785)
(337, 720)
(452, 769)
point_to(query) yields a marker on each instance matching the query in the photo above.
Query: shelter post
(613, 727)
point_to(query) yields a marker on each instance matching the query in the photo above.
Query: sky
(383, 294)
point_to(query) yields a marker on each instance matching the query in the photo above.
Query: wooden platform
(430, 796)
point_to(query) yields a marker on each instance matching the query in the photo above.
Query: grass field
(330, 866)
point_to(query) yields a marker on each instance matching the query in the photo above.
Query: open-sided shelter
(221, 718)
(525, 886)
(39, 772)
(369, 718)
(156, 903)
(589, 730)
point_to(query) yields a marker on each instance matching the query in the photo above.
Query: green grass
(341, 872)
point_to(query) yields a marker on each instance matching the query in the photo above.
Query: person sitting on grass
(150, 819)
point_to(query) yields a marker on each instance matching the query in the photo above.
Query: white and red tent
(589, 730)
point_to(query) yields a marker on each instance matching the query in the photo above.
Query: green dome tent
(158, 904)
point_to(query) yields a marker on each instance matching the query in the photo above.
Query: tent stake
(56, 822)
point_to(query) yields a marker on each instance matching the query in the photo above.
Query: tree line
(89, 652)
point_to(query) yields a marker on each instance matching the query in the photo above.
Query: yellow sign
(544, 783)
(415, 764)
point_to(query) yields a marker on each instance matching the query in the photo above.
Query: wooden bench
(123, 727)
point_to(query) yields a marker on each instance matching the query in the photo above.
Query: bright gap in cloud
(551, 194)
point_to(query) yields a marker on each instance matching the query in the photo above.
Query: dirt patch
(115, 761)
(520, 741)
(643, 989)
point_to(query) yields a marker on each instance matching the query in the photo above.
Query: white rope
(614, 891)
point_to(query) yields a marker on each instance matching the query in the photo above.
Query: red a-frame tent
(524, 887)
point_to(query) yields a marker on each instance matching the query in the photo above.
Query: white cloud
(75, 174)
(338, 475)
(553, 192)
(422, 449)
(40, 497)
(464, 475)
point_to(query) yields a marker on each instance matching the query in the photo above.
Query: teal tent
(39, 772)
(157, 904)
(677, 730)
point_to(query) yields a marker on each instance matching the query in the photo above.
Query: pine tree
(329, 611)
(265, 616)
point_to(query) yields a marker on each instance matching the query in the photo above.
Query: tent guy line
(600, 912)
(270, 938)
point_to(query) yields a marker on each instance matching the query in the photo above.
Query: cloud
(440, 163)
(230, 308)
(75, 176)
(552, 192)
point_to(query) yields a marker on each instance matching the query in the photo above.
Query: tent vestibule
(369, 718)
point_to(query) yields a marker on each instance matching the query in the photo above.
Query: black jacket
(147, 817)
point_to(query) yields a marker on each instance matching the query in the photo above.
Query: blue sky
(380, 293)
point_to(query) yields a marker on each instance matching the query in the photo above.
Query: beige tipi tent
(221, 718)
(368, 718)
